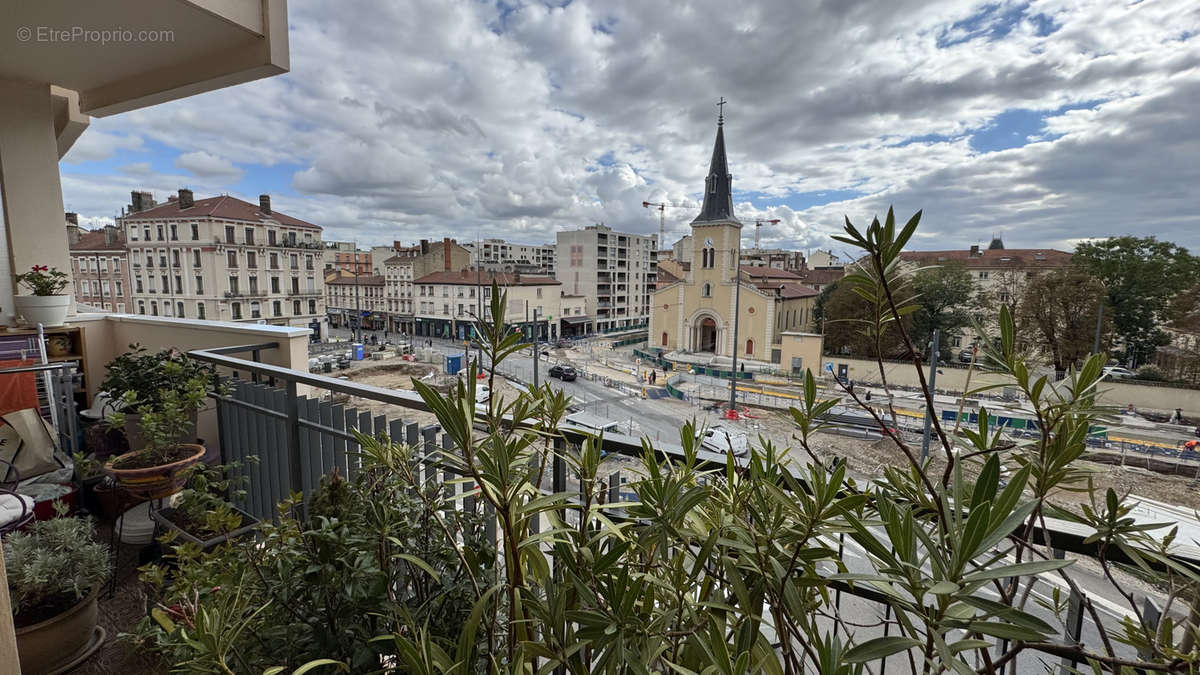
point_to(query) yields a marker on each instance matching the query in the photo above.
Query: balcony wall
(108, 335)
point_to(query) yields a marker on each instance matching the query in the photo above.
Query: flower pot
(133, 429)
(163, 517)
(48, 310)
(49, 646)
(154, 482)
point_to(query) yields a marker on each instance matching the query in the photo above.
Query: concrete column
(35, 230)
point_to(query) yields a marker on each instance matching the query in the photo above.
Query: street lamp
(737, 311)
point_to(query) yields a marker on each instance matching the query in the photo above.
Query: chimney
(72, 218)
(110, 234)
(73, 231)
(975, 251)
(185, 199)
(446, 253)
(424, 246)
(264, 204)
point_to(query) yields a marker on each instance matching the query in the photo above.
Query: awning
(576, 319)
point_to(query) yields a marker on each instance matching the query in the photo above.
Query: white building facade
(614, 271)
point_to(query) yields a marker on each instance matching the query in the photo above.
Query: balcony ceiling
(213, 44)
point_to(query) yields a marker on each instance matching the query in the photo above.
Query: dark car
(564, 373)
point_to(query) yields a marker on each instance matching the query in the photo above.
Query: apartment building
(779, 258)
(498, 255)
(447, 303)
(347, 296)
(344, 255)
(408, 263)
(224, 259)
(615, 271)
(99, 266)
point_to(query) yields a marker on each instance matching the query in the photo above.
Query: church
(696, 301)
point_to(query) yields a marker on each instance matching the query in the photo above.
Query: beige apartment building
(614, 271)
(99, 266)
(347, 296)
(447, 303)
(697, 303)
(999, 273)
(405, 264)
(224, 259)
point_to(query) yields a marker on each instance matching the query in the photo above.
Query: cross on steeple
(721, 113)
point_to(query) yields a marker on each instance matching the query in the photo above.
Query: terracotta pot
(48, 310)
(47, 646)
(59, 345)
(154, 482)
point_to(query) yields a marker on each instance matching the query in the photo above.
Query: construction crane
(662, 220)
(758, 224)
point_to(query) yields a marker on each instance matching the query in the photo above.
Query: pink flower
(40, 268)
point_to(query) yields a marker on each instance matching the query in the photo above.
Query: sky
(1042, 122)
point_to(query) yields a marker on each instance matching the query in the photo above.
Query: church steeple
(718, 186)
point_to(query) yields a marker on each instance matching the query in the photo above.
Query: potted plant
(54, 569)
(159, 467)
(140, 378)
(202, 514)
(47, 306)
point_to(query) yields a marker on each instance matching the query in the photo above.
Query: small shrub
(1151, 372)
(51, 567)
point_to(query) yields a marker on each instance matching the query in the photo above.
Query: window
(274, 261)
(104, 289)
(228, 234)
(236, 309)
(255, 311)
(706, 290)
(141, 306)
(231, 259)
(274, 284)
(196, 258)
(153, 308)
(120, 308)
(296, 307)
(271, 237)
(162, 258)
(175, 258)
(295, 285)
(749, 347)
(133, 234)
(251, 260)
(138, 286)
(146, 232)
(174, 232)
(308, 262)
(116, 264)
(276, 308)
(539, 292)
(312, 306)
(166, 285)
(160, 233)
(250, 235)
(664, 338)
(120, 288)
(446, 309)
(195, 232)
(179, 309)
(199, 310)
(149, 259)
(233, 285)
(983, 275)
(253, 285)
(104, 264)
(178, 284)
(797, 365)
(199, 285)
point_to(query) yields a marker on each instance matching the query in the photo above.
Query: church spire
(718, 186)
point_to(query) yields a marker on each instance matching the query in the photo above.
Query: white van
(720, 438)
(592, 423)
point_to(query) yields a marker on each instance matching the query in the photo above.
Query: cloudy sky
(1044, 121)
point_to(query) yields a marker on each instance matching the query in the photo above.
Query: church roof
(718, 186)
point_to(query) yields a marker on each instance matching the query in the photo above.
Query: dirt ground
(400, 376)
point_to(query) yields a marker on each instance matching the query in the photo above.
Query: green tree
(848, 322)
(944, 296)
(1057, 313)
(1142, 276)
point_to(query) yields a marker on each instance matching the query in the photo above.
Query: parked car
(720, 438)
(564, 373)
(966, 356)
(1118, 373)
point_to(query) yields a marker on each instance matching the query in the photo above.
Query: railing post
(292, 433)
(1074, 629)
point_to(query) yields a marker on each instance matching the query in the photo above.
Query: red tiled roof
(766, 272)
(789, 291)
(823, 276)
(992, 258)
(94, 240)
(473, 277)
(665, 277)
(363, 280)
(224, 206)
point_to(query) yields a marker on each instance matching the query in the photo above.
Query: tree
(1142, 276)
(847, 320)
(944, 296)
(1057, 314)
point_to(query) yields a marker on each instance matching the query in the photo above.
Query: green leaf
(944, 588)
(878, 648)
(1024, 569)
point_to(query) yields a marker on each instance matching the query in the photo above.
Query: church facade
(695, 303)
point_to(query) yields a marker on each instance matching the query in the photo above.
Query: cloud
(207, 165)
(444, 117)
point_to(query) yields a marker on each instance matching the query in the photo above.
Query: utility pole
(930, 411)
(357, 301)
(737, 311)
(535, 347)
(100, 281)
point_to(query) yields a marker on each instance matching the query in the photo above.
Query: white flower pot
(48, 310)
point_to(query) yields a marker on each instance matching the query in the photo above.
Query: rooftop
(224, 206)
(1008, 257)
(485, 277)
(99, 240)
